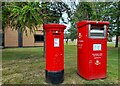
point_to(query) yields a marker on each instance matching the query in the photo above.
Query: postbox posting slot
(96, 31)
(54, 32)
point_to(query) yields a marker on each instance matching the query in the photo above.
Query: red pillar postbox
(92, 49)
(54, 53)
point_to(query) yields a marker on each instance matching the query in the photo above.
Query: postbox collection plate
(56, 42)
(97, 47)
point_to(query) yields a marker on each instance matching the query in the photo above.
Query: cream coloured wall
(10, 37)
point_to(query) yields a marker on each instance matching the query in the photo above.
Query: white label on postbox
(56, 42)
(96, 47)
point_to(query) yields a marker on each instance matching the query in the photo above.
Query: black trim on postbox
(54, 77)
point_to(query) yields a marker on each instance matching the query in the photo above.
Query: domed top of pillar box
(54, 27)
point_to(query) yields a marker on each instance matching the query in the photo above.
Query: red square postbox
(54, 52)
(92, 49)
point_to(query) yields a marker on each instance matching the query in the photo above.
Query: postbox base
(54, 77)
(92, 78)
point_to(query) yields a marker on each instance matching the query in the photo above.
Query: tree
(101, 11)
(20, 15)
(56, 9)
(83, 12)
(5, 15)
(114, 14)
(73, 32)
(111, 14)
(66, 36)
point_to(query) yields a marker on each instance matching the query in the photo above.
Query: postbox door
(58, 51)
(98, 58)
(97, 50)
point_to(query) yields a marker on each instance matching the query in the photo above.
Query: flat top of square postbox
(85, 22)
(54, 26)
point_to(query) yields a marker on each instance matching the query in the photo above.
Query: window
(38, 38)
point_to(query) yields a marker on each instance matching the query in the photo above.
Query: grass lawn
(27, 65)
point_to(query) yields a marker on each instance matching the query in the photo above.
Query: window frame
(40, 38)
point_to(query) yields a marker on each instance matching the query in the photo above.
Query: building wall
(118, 38)
(28, 40)
(39, 44)
(10, 37)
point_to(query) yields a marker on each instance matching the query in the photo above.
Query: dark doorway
(1, 40)
(19, 38)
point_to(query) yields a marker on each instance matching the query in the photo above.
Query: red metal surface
(84, 22)
(91, 64)
(54, 55)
